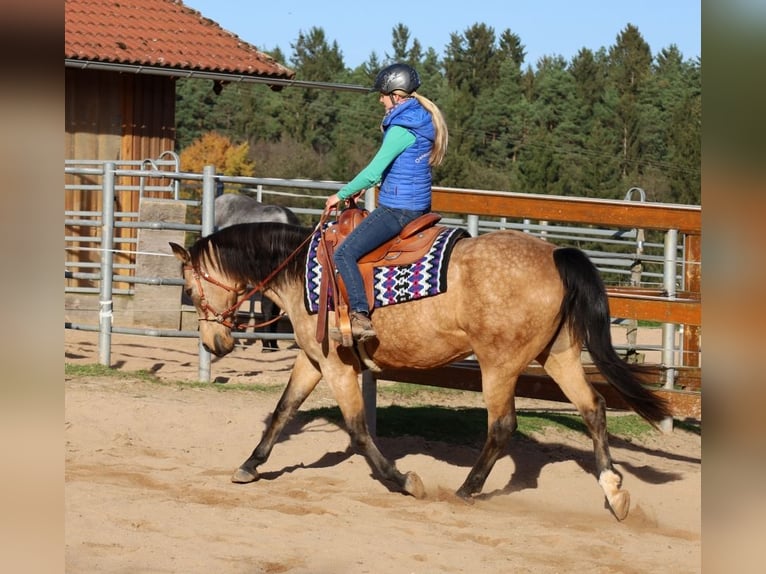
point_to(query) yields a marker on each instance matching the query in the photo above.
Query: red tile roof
(162, 33)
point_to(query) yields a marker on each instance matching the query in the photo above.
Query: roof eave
(221, 76)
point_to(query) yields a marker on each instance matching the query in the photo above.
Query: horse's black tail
(585, 310)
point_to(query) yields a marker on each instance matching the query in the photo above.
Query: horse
(511, 299)
(233, 208)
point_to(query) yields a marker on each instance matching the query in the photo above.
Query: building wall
(114, 116)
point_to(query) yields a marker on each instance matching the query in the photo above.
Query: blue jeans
(378, 227)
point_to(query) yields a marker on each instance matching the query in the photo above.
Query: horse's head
(215, 298)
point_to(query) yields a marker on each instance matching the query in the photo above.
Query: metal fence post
(369, 199)
(472, 222)
(636, 270)
(208, 226)
(105, 314)
(669, 329)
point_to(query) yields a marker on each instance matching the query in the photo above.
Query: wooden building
(122, 60)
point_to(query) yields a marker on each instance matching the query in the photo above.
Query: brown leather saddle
(412, 243)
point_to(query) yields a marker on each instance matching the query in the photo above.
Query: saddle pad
(392, 283)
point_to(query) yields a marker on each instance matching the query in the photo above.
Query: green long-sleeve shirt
(396, 140)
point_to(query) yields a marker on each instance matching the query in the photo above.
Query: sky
(545, 27)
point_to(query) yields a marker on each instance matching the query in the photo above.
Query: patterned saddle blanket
(391, 282)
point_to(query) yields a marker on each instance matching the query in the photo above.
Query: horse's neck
(288, 297)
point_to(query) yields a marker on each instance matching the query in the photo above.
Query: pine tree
(629, 69)
(195, 101)
(311, 115)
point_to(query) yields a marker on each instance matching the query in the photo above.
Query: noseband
(224, 317)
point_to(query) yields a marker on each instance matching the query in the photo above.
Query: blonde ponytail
(440, 127)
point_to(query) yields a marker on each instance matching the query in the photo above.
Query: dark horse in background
(233, 208)
(511, 299)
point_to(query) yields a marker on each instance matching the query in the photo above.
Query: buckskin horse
(511, 299)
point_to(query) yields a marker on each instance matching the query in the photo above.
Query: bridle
(226, 316)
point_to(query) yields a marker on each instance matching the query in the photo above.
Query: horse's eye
(188, 291)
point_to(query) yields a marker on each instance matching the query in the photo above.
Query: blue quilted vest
(406, 183)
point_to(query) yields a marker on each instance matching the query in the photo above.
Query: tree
(589, 77)
(599, 164)
(680, 95)
(629, 69)
(553, 133)
(311, 115)
(472, 61)
(400, 39)
(496, 126)
(400, 42)
(511, 48)
(195, 101)
(217, 150)
(259, 115)
(315, 58)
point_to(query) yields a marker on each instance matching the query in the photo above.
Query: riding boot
(361, 326)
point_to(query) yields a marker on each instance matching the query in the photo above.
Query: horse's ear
(181, 253)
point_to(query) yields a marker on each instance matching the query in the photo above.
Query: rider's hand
(332, 201)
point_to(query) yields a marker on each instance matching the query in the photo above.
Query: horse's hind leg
(303, 380)
(563, 364)
(498, 391)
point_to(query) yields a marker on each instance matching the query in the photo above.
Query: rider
(414, 139)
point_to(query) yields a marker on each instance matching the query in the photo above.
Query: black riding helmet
(396, 77)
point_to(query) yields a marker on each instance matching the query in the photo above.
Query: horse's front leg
(303, 380)
(345, 386)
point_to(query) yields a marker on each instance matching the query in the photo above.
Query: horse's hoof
(242, 476)
(414, 486)
(619, 500)
(464, 496)
(620, 504)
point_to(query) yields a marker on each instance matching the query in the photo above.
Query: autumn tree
(217, 150)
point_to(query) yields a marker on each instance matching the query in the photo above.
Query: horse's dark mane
(249, 252)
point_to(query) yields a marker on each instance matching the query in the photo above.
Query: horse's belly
(421, 334)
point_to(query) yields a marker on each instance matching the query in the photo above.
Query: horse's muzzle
(220, 348)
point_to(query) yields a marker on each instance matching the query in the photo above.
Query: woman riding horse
(414, 139)
(511, 299)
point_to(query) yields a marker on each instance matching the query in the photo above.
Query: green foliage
(98, 370)
(609, 119)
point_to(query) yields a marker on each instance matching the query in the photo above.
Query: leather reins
(224, 317)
